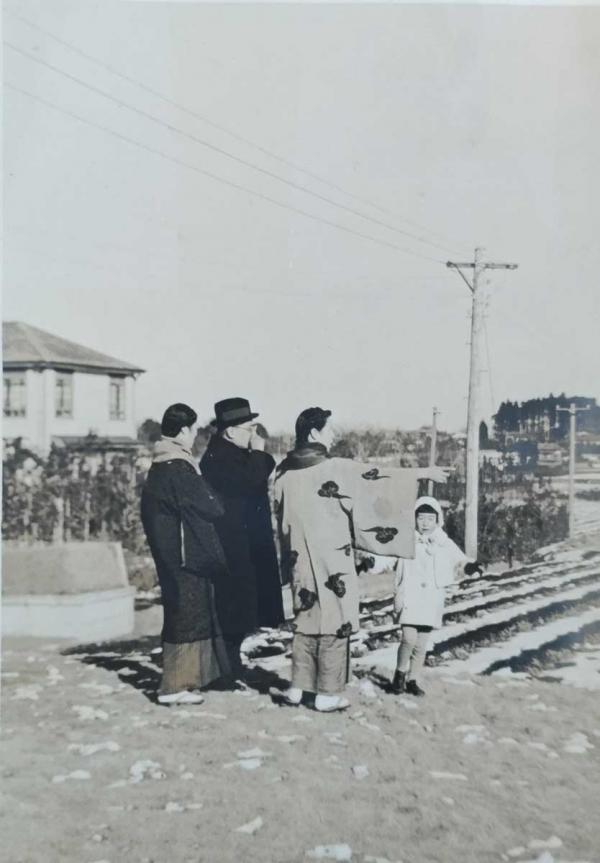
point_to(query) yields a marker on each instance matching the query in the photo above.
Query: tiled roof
(27, 346)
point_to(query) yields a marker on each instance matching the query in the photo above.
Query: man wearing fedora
(238, 469)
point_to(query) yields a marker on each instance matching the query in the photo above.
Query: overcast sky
(460, 125)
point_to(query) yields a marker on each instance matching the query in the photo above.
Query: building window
(117, 399)
(63, 395)
(15, 395)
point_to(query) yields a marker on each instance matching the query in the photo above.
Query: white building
(56, 391)
(491, 456)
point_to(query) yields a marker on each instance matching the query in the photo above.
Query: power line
(260, 195)
(66, 261)
(166, 259)
(214, 148)
(145, 87)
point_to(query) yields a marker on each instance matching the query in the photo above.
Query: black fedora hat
(232, 412)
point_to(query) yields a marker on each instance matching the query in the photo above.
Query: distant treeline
(541, 416)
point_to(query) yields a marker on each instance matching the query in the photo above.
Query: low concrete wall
(75, 590)
(93, 616)
(64, 568)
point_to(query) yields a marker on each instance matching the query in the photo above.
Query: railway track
(497, 622)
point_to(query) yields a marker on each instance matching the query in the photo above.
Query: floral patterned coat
(326, 507)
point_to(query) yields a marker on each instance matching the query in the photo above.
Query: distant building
(550, 456)
(56, 391)
(491, 456)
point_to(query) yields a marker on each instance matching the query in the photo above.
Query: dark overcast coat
(252, 596)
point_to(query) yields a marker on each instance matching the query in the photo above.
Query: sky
(447, 127)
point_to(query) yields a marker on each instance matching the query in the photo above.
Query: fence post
(86, 517)
(67, 520)
(28, 512)
(59, 527)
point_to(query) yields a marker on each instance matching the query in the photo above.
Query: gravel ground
(482, 769)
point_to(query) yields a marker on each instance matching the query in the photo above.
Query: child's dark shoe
(398, 683)
(413, 688)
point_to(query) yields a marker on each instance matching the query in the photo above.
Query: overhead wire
(202, 142)
(230, 183)
(190, 112)
(88, 264)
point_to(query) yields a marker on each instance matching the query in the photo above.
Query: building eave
(23, 365)
(94, 443)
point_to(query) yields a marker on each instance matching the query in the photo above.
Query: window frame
(60, 377)
(117, 409)
(12, 377)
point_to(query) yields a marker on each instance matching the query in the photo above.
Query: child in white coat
(420, 587)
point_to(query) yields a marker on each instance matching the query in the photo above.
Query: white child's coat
(420, 584)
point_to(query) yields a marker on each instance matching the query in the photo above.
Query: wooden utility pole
(474, 410)
(432, 448)
(572, 411)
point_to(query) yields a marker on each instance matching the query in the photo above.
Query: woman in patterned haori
(420, 591)
(326, 507)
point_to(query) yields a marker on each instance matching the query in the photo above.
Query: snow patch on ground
(441, 774)
(92, 748)
(479, 661)
(75, 774)
(244, 764)
(341, 853)
(360, 771)
(145, 769)
(578, 744)
(175, 806)
(582, 671)
(27, 693)
(85, 712)
(251, 827)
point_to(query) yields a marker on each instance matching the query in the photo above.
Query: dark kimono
(178, 509)
(251, 597)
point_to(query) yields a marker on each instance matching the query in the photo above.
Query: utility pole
(474, 410)
(572, 411)
(432, 448)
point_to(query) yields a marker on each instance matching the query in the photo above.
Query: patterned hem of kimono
(320, 663)
(193, 665)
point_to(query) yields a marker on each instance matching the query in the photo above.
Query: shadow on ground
(132, 660)
(137, 662)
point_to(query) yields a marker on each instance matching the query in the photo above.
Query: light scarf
(167, 449)
(438, 538)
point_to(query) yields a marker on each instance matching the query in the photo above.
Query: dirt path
(77, 728)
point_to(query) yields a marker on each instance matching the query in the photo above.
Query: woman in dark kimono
(237, 467)
(178, 509)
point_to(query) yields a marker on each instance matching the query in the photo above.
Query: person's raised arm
(243, 472)
(434, 473)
